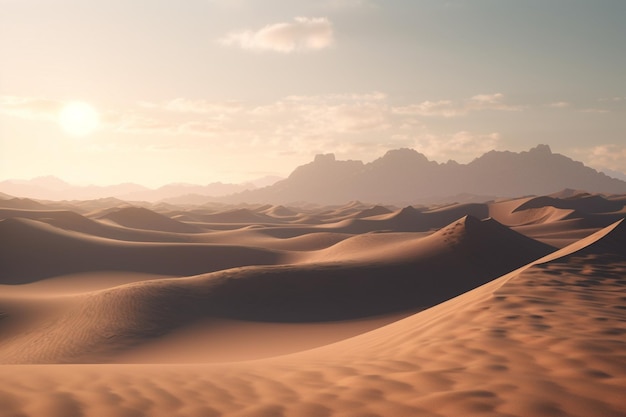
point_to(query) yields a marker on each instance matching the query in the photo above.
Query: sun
(78, 118)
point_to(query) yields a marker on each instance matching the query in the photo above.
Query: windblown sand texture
(508, 308)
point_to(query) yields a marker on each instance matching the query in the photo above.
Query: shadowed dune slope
(61, 218)
(32, 250)
(22, 203)
(452, 261)
(477, 239)
(72, 221)
(142, 218)
(449, 213)
(582, 203)
(279, 211)
(409, 219)
(372, 211)
(238, 216)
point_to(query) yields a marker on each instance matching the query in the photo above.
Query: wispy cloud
(184, 105)
(229, 4)
(347, 4)
(33, 108)
(559, 104)
(450, 108)
(461, 146)
(304, 33)
(606, 156)
(616, 99)
(594, 110)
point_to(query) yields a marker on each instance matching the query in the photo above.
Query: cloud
(461, 146)
(326, 115)
(442, 108)
(138, 123)
(606, 156)
(594, 110)
(559, 104)
(616, 99)
(347, 4)
(373, 96)
(32, 108)
(229, 4)
(449, 108)
(304, 33)
(184, 105)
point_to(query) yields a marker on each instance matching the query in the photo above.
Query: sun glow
(78, 118)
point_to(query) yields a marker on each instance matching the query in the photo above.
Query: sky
(199, 91)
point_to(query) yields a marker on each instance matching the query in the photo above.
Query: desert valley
(508, 307)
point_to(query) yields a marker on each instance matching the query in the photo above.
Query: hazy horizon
(51, 181)
(207, 91)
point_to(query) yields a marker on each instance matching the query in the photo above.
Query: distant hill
(407, 176)
(52, 188)
(177, 191)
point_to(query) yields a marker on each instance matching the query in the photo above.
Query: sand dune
(306, 242)
(142, 218)
(280, 211)
(584, 203)
(37, 250)
(541, 215)
(238, 216)
(407, 219)
(361, 312)
(372, 211)
(568, 193)
(533, 210)
(467, 236)
(402, 275)
(22, 203)
(72, 221)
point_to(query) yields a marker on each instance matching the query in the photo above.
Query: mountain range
(400, 176)
(407, 176)
(52, 188)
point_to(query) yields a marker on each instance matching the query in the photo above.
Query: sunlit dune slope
(595, 210)
(545, 340)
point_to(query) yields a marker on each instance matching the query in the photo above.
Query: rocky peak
(541, 150)
(324, 158)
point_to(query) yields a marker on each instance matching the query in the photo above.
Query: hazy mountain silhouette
(401, 176)
(405, 175)
(52, 188)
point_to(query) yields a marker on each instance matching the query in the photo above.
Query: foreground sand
(547, 339)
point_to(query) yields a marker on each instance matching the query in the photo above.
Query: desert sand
(507, 308)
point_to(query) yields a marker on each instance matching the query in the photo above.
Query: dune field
(507, 308)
